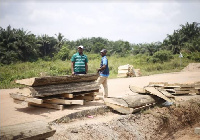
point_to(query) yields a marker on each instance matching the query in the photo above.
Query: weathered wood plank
(85, 97)
(23, 103)
(130, 104)
(154, 91)
(167, 94)
(67, 95)
(136, 89)
(63, 101)
(42, 91)
(121, 109)
(116, 101)
(47, 105)
(31, 130)
(24, 98)
(135, 101)
(51, 80)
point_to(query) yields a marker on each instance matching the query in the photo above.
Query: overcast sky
(139, 21)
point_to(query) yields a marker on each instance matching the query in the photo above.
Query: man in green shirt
(79, 62)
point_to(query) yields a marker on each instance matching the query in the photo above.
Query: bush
(162, 56)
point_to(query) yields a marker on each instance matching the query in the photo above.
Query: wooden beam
(30, 130)
(23, 103)
(46, 105)
(51, 80)
(85, 97)
(67, 95)
(136, 89)
(26, 99)
(63, 101)
(154, 91)
(121, 109)
(135, 101)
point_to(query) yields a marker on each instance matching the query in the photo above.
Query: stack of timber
(128, 71)
(155, 92)
(56, 91)
(177, 88)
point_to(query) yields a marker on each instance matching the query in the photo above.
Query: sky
(135, 21)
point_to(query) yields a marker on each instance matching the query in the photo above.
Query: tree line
(20, 45)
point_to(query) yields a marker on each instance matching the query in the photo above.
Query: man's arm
(86, 68)
(72, 67)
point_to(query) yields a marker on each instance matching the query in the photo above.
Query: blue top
(105, 72)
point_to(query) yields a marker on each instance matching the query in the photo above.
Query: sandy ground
(11, 113)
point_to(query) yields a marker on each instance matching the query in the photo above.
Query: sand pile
(192, 67)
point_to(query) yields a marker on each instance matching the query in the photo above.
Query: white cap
(80, 46)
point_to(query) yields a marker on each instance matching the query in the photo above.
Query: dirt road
(11, 113)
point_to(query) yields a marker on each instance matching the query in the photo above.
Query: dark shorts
(80, 72)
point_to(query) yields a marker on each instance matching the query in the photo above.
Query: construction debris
(31, 130)
(56, 91)
(128, 71)
(151, 94)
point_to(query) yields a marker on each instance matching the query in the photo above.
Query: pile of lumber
(155, 92)
(177, 88)
(56, 91)
(128, 71)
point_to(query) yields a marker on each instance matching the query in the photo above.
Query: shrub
(162, 56)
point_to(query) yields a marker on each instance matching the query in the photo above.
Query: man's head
(80, 49)
(103, 52)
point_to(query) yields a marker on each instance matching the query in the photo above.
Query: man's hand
(73, 73)
(98, 70)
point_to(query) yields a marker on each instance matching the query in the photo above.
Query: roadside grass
(10, 73)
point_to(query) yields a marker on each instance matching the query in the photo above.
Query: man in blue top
(104, 72)
(79, 62)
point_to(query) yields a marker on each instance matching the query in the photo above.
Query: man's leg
(105, 86)
(101, 80)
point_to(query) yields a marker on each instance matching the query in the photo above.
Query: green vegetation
(12, 72)
(25, 55)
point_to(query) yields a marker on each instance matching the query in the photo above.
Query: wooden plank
(116, 101)
(86, 97)
(167, 94)
(154, 91)
(67, 95)
(26, 99)
(158, 83)
(23, 103)
(121, 109)
(170, 90)
(136, 89)
(135, 101)
(184, 89)
(171, 87)
(69, 88)
(143, 107)
(29, 130)
(51, 80)
(181, 92)
(63, 101)
(46, 105)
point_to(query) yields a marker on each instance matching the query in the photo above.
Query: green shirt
(80, 61)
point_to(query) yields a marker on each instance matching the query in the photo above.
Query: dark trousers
(80, 72)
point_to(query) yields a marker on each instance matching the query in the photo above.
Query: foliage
(186, 38)
(161, 56)
(63, 54)
(12, 72)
